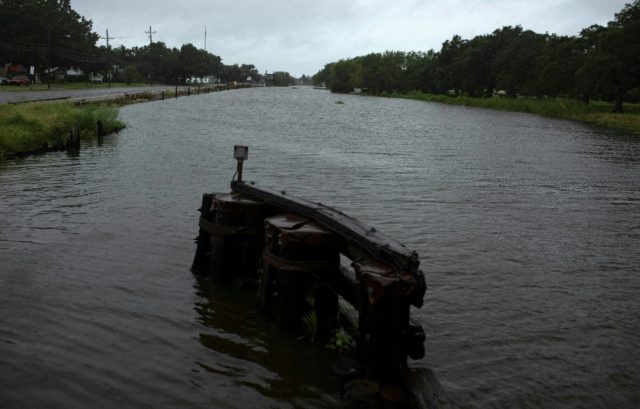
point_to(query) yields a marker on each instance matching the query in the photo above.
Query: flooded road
(528, 231)
(8, 95)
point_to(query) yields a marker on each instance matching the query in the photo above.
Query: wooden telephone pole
(109, 59)
(151, 33)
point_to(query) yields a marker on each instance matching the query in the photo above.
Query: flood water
(528, 230)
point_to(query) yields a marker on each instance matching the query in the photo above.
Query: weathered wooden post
(236, 236)
(203, 250)
(176, 89)
(384, 322)
(230, 238)
(162, 94)
(74, 139)
(299, 258)
(188, 91)
(100, 129)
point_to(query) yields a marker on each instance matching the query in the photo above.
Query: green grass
(27, 128)
(597, 112)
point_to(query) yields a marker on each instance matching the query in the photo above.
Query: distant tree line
(50, 34)
(603, 62)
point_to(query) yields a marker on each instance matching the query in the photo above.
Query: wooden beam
(356, 233)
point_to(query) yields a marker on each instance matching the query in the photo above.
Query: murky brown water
(528, 230)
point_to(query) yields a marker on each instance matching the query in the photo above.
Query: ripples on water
(527, 228)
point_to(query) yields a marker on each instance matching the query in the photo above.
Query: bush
(32, 127)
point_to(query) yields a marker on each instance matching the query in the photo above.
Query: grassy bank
(598, 113)
(27, 128)
(42, 126)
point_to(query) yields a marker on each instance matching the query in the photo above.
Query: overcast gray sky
(301, 36)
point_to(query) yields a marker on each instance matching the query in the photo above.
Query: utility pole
(151, 33)
(205, 38)
(108, 62)
(108, 38)
(48, 57)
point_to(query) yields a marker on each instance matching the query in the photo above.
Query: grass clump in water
(34, 127)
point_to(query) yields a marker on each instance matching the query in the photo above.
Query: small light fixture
(240, 153)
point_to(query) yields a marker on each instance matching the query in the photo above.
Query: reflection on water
(290, 369)
(527, 230)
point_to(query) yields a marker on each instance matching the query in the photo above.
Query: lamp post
(240, 153)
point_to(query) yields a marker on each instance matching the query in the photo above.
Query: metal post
(240, 162)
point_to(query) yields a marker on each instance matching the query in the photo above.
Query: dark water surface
(528, 231)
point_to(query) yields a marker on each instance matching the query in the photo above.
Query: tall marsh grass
(28, 128)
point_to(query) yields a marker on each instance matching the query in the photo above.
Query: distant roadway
(7, 96)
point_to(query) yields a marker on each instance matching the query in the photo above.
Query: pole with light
(240, 153)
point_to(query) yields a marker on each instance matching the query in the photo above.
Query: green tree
(158, 63)
(323, 77)
(444, 76)
(555, 70)
(282, 79)
(341, 78)
(367, 72)
(471, 67)
(596, 76)
(620, 41)
(417, 65)
(45, 33)
(516, 60)
(604, 62)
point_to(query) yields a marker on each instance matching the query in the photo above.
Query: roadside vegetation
(28, 128)
(514, 69)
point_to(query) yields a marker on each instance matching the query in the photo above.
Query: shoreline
(40, 126)
(595, 113)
